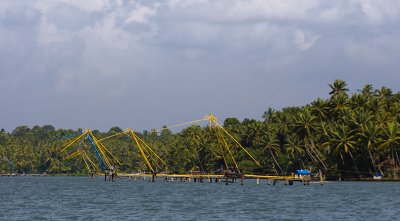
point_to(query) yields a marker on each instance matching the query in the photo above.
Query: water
(82, 198)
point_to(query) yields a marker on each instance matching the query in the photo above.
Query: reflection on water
(82, 198)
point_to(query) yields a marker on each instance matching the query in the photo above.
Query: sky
(146, 63)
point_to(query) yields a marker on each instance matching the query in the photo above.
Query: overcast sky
(145, 64)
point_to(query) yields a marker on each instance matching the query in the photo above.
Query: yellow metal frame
(85, 157)
(214, 123)
(105, 153)
(149, 155)
(145, 150)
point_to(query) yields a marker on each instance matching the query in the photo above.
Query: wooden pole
(321, 177)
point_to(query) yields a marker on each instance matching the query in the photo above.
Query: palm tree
(269, 116)
(358, 101)
(342, 142)
(306, 127)
(360, 119)
(338, 87)
(367, 90)
(269, 143)
(385, 95)
(295, 150)
(248, 131)
(390, 142)
(338, 106)
(320, 109)
(369, 138)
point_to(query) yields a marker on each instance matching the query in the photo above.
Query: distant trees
(347, 135)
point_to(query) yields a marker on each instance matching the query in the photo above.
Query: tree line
(346, 135)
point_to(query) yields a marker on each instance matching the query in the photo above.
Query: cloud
(107, 34)
(140, 14)
(304, 41)
(21, 16)
(68, 17)
(376, 13)
(143, 64)
(378, 51)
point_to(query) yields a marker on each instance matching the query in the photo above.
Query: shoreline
(87, 175)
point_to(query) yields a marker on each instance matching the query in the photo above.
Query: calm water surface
(82, 198)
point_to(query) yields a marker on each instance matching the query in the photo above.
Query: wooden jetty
(217, 178)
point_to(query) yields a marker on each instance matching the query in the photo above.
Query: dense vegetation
(346, 135)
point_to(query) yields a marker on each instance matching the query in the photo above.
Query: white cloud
(284, 9)
(164, 50)
(377, 12)
(49, 33)
(372, 14)
(304, 41)
(141, 13)
(92, 5)
(184, 3)
(332, 14)
(107, 34)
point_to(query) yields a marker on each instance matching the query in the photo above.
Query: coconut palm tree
(306, 127)
(269, 116)
(339, 104)
(269, 143)
(295, 152)
(342, 142)
(320, 109)
(338, 87)
(390, 142)
(367, 90)
(358, 101)
(369, 139)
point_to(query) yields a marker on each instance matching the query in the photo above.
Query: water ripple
(82, 198)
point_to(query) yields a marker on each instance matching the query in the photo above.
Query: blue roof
(303, 172)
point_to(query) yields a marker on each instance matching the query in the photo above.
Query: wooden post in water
(321, 177)
(258, 181)
(241, 179)
(153, 177)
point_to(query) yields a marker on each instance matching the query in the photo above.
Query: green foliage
(350, 135)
